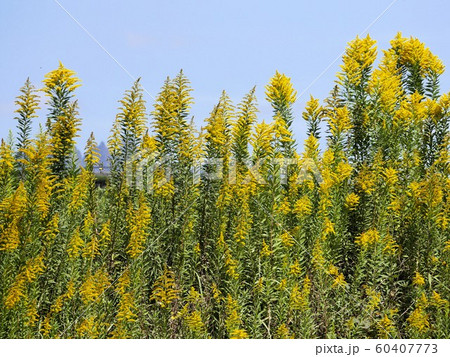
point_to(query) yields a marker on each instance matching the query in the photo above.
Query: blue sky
(231, 45)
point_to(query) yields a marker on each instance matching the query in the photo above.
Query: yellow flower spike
(295, 269)
(164, 289)
(287, 239)
(75, 246)
(343, 171)
(339, 281)
(60, 79)
(311, 148)
(265, 250)
(418, 279)
(32, 313)
(283, 332)
(351, 201)
(390, 176)
(92, 248)
(412, 52)
(232, 266)
(339, 121)
(438, 301)
(127, 308)
(216, 292)
(386, 82)
(328, 228)
(374, 298)
(313, 110)
(239, 334)
(385, 327)
(105, 234)
(29, 273)
(333, 270)
(139, 221)
(299, 299)
(195, 323)
(418, 319)
(358, 58)
(94, 286)
(46, 326)
(285, 206)
(391, 246)
(303, 207)
(280, 89)
(368, 238)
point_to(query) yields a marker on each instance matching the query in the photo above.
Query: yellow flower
(265, 251)
(386, 82)
(328, 227)
(411, 52)
(385, 327)
(391, 246)
(75, 245)
(418, 279)
(92, 249)
(295, 269)
(374, 298)
(88, 328)
(94, 286)
(232, 266)
(419, 319)
(287, 239)
(339, 121)
(283, 332)
(303, 207)
(29, 273)
(351, 201)
(195, 323)
(127, 308)
(390, 175)
(164, 289)
(238, 334)
(366, 180)
(299, 299)
(139, 221)
(32, 313)
(285, 206)
(280, 89)
(438, 301)
(343, 171)
(339, 281)
(61, 79)
(359, 57)
(368, 238)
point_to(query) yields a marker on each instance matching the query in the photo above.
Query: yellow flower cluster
(12, 209)
(32, 269)
(299, 299)
(164, 289)
(303, 207)
(368, 238)
(94, 286)
(233, 320)
(419, 319)
(339, 121)
(351, 201)
(412, 52)
(418, 279)
(61, 79)
(280, 90)
(139, 221)
(386, 82)
(357, 60)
